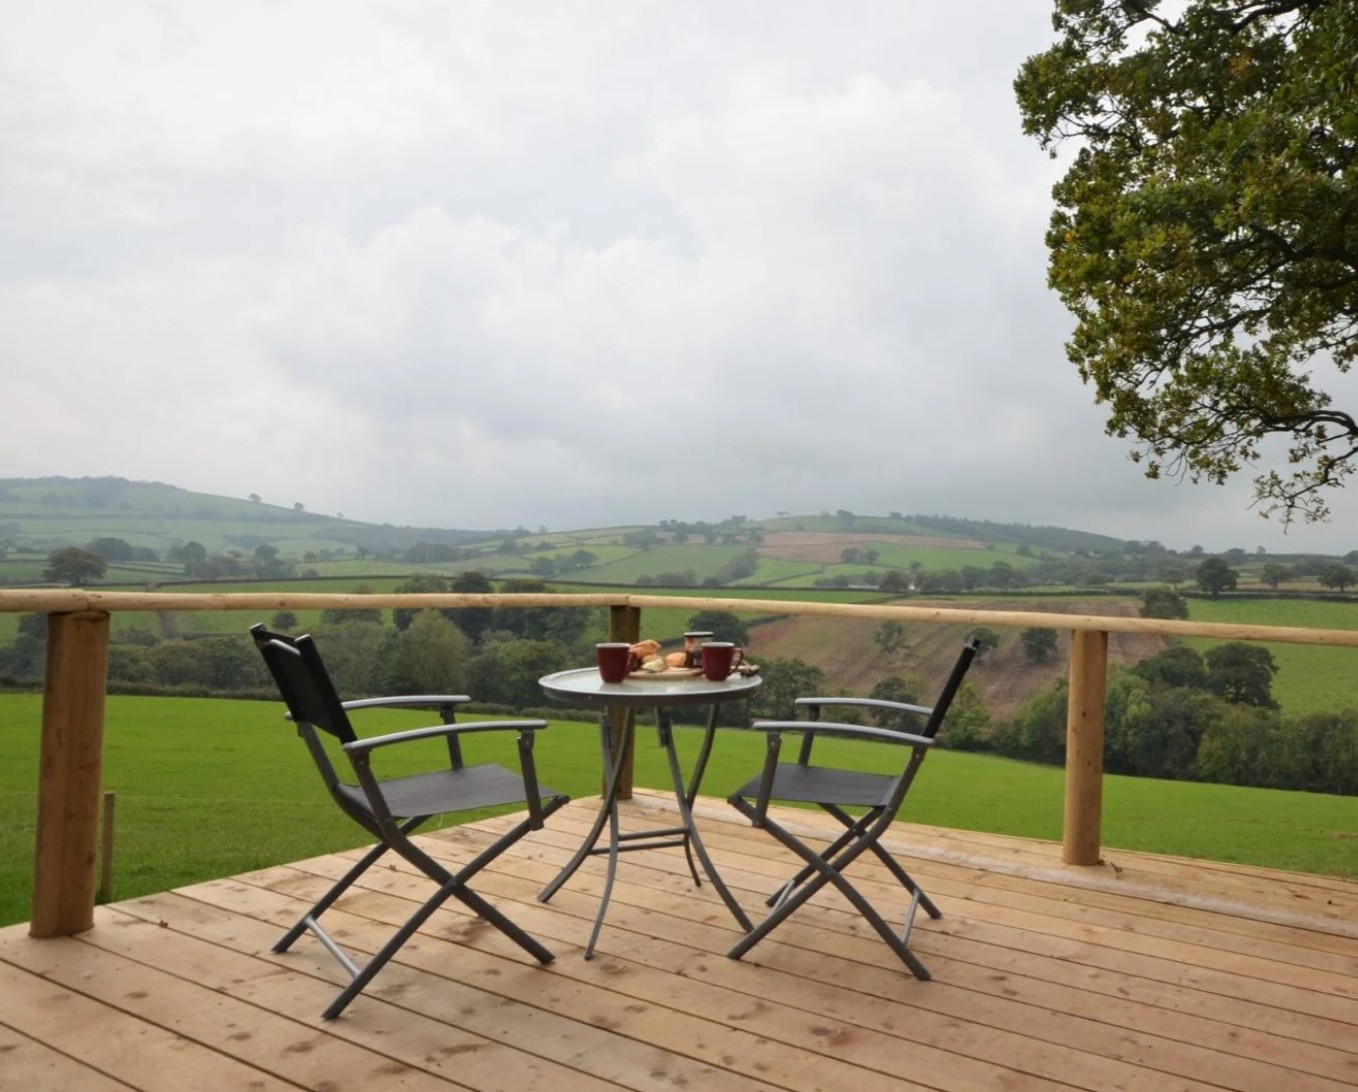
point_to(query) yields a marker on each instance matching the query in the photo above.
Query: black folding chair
(391, 809)
(834, 790)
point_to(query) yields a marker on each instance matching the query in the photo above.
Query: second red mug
(720, 658)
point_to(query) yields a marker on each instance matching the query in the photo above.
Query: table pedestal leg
(614, 750)
(610, 794)
(690, 828)
(704, 753)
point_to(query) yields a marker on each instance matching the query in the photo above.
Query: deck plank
(1032, 990)
(1144, 973)
(108, 1039)
(27, 1063)
(607, 993)
(288, 1048)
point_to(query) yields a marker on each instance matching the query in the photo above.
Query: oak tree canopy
(1205, 235)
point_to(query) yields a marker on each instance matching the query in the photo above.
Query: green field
(703, 560)
(210, 788)
(1310, 678)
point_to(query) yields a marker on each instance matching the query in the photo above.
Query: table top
(582, 686)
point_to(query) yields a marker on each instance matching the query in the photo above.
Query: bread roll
(676, 659)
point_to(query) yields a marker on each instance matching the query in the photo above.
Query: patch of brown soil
(847, 651)
(826, 547)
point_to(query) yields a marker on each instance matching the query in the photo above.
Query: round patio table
(662, 692)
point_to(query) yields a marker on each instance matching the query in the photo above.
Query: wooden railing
(71, 763)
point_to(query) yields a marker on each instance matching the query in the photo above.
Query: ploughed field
(847, 650)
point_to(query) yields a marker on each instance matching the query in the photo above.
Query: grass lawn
(1310, 678)
(209, 788)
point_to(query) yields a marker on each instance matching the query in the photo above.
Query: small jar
(693, 647)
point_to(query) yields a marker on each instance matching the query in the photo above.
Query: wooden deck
(1144, 973)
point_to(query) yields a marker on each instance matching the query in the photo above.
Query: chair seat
(819, 785)
(448, 790)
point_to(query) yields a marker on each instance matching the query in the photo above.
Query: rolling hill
(43, 514)
(842, 554)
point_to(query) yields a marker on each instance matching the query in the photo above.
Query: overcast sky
(553, 262)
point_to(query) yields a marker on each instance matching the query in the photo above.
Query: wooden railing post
(71, 773)
(1082, 835)
(624, 624)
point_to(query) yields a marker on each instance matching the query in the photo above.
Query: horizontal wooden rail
(73, 693)
(13, 600)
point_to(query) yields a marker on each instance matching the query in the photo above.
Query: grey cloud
(556, 262)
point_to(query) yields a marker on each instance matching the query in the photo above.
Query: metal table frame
(582, 686)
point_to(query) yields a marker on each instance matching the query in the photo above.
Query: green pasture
(22, 568)
(139, 530)
(899, 555)
(773, 570)
(364, 570)
(608, 554)
(1310, 678)
(209, 788)
(704, 560)
(28, 569)
(587, 539)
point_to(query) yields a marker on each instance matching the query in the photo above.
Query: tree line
(496, 655)
(1188, 716)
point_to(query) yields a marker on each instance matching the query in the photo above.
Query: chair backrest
(917, 753)
(302, 679)
(954, 682)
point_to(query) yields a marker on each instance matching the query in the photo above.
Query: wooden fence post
(1082, 833)
(624, 624)
(70, 773)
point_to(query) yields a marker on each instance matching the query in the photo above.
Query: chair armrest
(440, 731)
(403, 701)
(859, 731)
(866, 703)
(409, 701)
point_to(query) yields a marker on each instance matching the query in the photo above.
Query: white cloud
(565, 263)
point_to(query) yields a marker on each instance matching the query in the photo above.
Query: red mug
(614, 660)
(720, 658)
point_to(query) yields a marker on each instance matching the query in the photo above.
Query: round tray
(582, 686)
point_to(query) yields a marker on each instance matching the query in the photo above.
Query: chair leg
(891, 864)
(823, 872)
(451, 885)
(455, 884)
(855, 830)
(308, 921)
(384, 954)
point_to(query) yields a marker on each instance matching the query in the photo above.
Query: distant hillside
(1022, 534)
(1058, 539)
(50, 513)
(43, 514)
